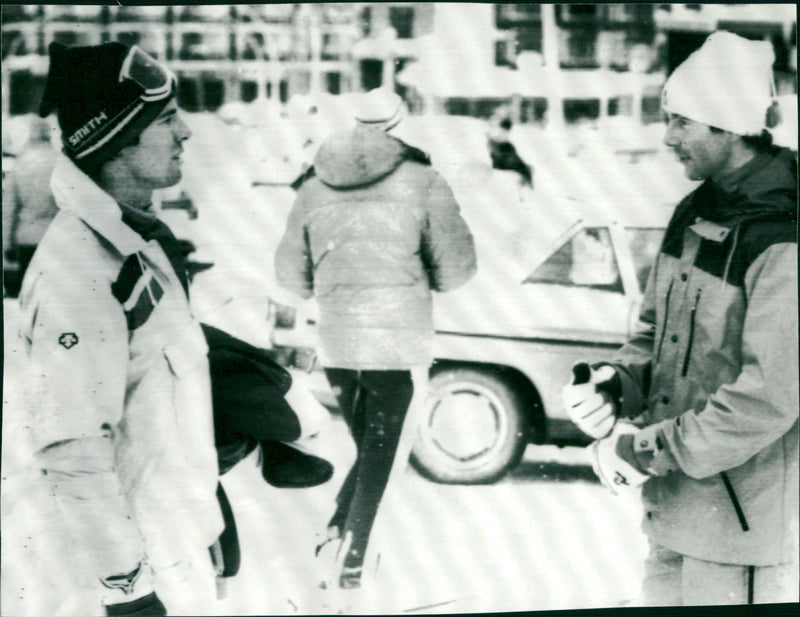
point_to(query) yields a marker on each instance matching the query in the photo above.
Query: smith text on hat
(87, 128)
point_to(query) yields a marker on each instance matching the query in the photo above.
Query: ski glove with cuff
(629, 456)
(591, 398)
(614, 470)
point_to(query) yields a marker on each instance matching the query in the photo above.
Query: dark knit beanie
(99, 111)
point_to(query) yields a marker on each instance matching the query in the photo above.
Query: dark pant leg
(345, 383)
(384, 397)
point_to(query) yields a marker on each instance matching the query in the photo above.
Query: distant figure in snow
(502, 151)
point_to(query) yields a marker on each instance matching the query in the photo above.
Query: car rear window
(586, 259)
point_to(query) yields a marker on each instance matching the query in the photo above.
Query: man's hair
(759, 143)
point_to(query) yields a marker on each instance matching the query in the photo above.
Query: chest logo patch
(68, 340)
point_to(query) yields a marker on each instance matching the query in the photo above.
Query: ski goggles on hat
(141, 68)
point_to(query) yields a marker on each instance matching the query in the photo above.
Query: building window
(333, 82)
(504, 53)
(578, 13)
(578, 109)
(371, 74)
(578, 48)
(254, 48)
(199, 46)
(366, 21)
(26, 90)
(71, 37)
(513, 15)
(332, 46)
(401, 18)
(248, 91)
(532, 110)
(529, 38)
(129, 38)
(13, 43)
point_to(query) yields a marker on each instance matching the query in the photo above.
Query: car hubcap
(464, 422)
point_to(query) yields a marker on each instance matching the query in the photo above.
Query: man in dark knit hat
(120, 410)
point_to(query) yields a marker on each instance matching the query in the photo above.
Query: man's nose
(182, 131)
(670, 136)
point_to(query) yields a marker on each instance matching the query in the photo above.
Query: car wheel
(473, 429)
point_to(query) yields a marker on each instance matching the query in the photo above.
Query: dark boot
(286, 467)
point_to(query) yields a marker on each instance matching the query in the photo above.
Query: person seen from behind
(373, 231)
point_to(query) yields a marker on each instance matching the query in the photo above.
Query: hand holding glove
(616, 473)
(588, 399)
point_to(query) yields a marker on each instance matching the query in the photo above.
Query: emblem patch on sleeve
(68, 340)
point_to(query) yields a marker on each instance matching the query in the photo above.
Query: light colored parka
(119, 397)
(715, 363)
(373, 231)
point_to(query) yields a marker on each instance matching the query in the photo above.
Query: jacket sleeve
(761, 405)
(634, 361)
(448, 248)
(293, 264)
(78, 363)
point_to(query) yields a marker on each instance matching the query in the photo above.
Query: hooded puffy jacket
(715, 367)
(373, 230)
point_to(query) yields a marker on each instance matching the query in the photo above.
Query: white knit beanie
(379, 108)
(727, 83)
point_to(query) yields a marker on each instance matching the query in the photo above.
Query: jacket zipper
(685, 368)
(736, 505)
(666, 319)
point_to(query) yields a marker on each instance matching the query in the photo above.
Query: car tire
(473, 429)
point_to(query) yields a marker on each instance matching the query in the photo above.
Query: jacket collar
(76, 193)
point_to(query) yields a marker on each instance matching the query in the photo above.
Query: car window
(586, 260)
(644, 243)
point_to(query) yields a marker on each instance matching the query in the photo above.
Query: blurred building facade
(593, 60)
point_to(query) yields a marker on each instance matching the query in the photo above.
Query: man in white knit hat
(700, 407)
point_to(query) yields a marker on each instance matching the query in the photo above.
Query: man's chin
(691, 173)
(172, 180)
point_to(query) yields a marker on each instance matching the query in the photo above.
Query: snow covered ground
(548, 536)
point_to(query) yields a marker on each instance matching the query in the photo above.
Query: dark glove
(146, 605)
(11, 254)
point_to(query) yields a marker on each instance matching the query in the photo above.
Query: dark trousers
(374, 405)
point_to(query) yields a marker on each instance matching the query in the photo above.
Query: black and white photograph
(399, 308)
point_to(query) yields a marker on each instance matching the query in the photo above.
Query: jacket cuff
(630, 400)
(624, 450)
(649, 450)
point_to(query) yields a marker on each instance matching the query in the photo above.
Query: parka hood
(358, 157)
(766, 186)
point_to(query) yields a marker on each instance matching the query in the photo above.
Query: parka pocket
(692, 318)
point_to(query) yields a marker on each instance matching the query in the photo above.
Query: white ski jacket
(119, 390)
